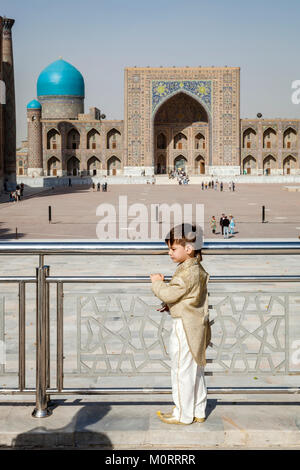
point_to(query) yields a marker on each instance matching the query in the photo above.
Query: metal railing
(43, 280)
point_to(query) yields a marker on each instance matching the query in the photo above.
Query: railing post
(47, 293)
(41, 410)
(22, 336)
(60, 336)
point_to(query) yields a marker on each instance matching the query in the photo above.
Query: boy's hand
(156, 277)
(163, 308)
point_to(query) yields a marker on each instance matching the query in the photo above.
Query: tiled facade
(174, 117)
(270, 146)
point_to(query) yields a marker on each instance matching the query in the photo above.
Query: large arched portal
(180, 120)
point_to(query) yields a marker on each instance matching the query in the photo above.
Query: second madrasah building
(187, 118)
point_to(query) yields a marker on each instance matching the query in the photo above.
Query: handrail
(146, 247)
(146, 279)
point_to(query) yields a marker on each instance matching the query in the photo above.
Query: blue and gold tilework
(201, 89)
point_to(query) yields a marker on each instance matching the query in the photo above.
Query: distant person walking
(98, 186)
(216, 185)
(233, 186)
(221, 223)
(18, 193)
(231, 225)
(221, 186)
(213, 224)
(226, 226)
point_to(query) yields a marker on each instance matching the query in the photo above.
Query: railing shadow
(75, 434)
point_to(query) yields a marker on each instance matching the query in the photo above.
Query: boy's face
(179, 253)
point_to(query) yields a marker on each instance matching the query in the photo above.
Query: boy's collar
(188, 262)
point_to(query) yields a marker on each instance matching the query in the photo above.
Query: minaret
(2, 101)
(9, 108)
(35, 147)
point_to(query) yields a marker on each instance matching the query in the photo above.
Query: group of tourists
(215, 184)
(99, 186)
(227, 225)
(15, 196)
(181, 176)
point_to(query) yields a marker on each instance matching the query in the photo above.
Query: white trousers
(188, 382)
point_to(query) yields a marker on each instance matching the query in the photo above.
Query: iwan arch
(200, 105)
(174, 117)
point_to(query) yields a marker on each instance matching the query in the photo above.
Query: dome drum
(61, 107)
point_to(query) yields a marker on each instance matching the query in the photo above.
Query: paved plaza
(74, 209)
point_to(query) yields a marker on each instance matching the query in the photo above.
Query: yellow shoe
(169, 420)
(166, 415)
(199, 420)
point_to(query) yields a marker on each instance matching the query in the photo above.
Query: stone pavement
(118, 422)
(74, 210)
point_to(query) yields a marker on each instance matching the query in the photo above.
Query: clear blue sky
(101, 37)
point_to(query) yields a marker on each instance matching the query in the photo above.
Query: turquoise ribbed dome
(34, 104)
(60, 78)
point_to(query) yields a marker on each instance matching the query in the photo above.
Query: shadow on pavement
(75, 434)
(7, 234)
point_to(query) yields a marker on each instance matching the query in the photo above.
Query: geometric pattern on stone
(164, 88)
(121, 335)
(249, 333)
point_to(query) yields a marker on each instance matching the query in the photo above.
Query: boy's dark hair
(186, 234)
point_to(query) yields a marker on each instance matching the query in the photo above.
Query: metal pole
(22, 336)
(60, 329)
(263, 214)
(41, 410)
(47, 289)
(49, 214)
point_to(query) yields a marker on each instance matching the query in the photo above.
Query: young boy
(187, 300)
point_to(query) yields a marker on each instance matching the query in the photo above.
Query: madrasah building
(174, 117)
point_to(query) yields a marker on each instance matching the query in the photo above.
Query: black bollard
(49, 214)
(16, 233)
(263, 214)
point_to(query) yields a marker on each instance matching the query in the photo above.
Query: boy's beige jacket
(186, 297)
